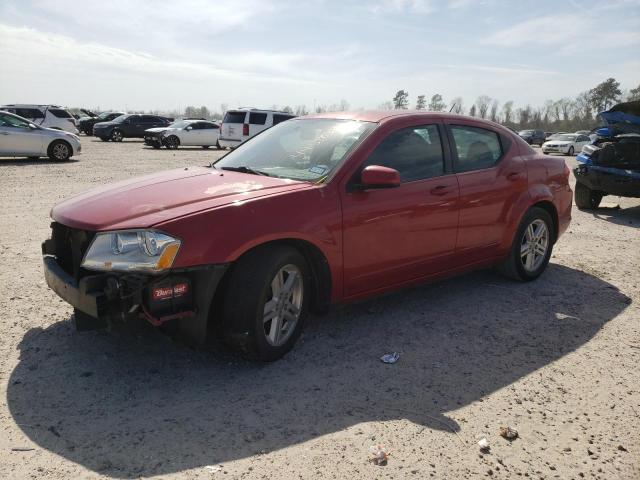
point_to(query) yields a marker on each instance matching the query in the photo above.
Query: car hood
(562, 143)
(623, 117)
(105, 124)
(146, 201)
(158, 129)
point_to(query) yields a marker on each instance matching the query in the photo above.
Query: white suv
(243, 123)
(47, 116)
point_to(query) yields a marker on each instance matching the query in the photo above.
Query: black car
(533, 137)
(85, 124)
(128, 126)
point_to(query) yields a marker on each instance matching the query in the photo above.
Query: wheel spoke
(290, 283)
(277, 284)
(530, 233)
(529, 261)
(269, 310)
(524, 249)
(540, 249)
(274, 329)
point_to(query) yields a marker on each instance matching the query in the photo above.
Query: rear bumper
(229, 142)
(106, 298)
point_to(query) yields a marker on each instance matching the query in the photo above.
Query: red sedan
(313, 211)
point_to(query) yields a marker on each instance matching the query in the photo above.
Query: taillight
(245, 129)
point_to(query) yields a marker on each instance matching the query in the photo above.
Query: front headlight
(131, 250)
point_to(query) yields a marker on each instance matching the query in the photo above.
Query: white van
(243, 123)
(47, 116)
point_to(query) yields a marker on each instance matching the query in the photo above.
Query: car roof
(259, 110)
(30, 105)
(379, 116)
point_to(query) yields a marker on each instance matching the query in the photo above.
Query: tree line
(566, 114)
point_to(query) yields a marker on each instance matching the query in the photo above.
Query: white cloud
(401, 6)
(563, 33)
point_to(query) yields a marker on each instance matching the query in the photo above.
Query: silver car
(21, 138)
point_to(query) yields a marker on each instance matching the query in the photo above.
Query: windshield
(298, 149)
(104, 115)
(120, 119)
(567, 138)
(179, 124)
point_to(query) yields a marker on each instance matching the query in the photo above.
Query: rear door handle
(513, 176)
(440, 190)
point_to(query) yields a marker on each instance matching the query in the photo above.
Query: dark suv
(128, 126)
(85, 124)
(533, 137)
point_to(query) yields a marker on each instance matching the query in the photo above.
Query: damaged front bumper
(609, 180)
(181, 296)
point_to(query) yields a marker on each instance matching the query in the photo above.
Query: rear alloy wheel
(172, 142)
(60, 151)
(266, 304)
(571, 151)
(531, 248)
(117, 135)
(585, 198)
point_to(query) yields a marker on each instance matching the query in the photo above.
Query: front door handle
(513, 176)
(440, 190)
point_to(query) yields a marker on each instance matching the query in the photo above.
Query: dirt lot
(557, 359)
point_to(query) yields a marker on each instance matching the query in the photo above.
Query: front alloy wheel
(282, 309)
(265, 304)
(117, 136)
(60, 151)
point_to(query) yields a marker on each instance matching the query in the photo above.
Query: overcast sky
(134, 54)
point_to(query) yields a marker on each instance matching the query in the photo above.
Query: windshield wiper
(245, 169)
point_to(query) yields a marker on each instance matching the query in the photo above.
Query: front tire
(531, 248)
(571, 152)
(586, 199)
(117, 135)
(266, 303)
(172, 142)
(60, 151)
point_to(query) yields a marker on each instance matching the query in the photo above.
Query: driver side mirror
(376, 176)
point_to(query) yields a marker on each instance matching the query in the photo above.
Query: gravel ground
(557, 359)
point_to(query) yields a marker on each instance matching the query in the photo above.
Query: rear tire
(206, 147)
(531, 248)
(266, 303)
(104, 139)
(585, 198)
(60, 151)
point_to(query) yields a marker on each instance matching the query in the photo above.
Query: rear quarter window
(279, 118)
(234, 117)
(59, 113)
(257, 118)
(29, 112)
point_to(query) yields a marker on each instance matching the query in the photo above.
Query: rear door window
(257, 118)
(209, 126)
(476, 148)
(234, 117)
